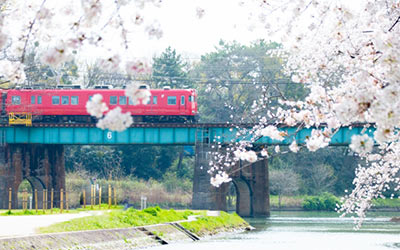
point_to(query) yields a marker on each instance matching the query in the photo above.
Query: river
(305, 231)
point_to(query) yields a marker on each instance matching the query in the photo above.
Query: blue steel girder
(159, 135)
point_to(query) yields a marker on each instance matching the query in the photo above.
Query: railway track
(135, 125)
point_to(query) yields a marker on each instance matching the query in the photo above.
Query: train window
(74, 100)
(183, 100)
(16, 100)
(171, 100)
(130, 101)
(113, 100)
(64, 100)
(148, 101)
(191, 98)
(55, 100)
(155, 99)
(39, 99)
(90, 97)
(33, 99)
(122, 100)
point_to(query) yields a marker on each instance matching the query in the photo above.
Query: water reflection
(306, 230)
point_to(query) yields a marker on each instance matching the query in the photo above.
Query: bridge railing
(161, 135)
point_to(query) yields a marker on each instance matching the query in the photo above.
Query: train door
(3, 103)
(182, 104)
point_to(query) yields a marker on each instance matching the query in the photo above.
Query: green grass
(296, 201)
(212, 225)
(119, 219)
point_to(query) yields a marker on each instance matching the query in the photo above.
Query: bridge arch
(33, 186)
(244, 194)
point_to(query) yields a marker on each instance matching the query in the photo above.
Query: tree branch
(398, 20)
(30, 31)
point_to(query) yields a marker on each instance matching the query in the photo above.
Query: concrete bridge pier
(42, 165)
(250, 181)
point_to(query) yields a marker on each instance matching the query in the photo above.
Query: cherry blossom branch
(30, 32)
(398, 20)
(121, 23)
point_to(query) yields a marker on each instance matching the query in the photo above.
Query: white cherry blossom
(137, 94)
(273, 133)
(115, 120)
(294, 147)
(219, 179)
(96, 107)
(361, 144)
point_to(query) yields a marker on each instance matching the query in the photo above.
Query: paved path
(11, 226)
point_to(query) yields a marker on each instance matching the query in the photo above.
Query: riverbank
(303, 203)
(195, 225)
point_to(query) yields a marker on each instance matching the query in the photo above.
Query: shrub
(326, 201)
(152, 210)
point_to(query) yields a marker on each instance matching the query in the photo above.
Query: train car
(27, 106)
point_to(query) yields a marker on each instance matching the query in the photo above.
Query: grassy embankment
(150, 216)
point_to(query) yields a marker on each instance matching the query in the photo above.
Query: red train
(27, 106)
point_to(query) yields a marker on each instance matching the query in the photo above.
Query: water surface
(308, 231)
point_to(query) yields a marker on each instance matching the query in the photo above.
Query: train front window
(122, 100)
(191, 98)
(16, 100)
(113, 100)
(39, 99)
(74, 100)
(64, 100)
(55, 100)
(33, 99)
(171, 100)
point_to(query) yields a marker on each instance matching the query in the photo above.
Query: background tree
(283, 182)
(169, 70)
(338, 176)
(227, 79)
(42, 75)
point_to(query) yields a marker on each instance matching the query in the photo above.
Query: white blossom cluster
(62, 30)
(115, 120)
(272, 132)
(220, 178)
(137, 94)
(96, 107)
(361, 144)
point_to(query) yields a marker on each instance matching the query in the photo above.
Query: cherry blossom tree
(348, 56)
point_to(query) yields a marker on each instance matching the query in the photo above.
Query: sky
(192, 36)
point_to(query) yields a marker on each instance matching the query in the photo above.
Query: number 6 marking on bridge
(109, 135)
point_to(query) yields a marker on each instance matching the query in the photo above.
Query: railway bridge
(36, 153)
